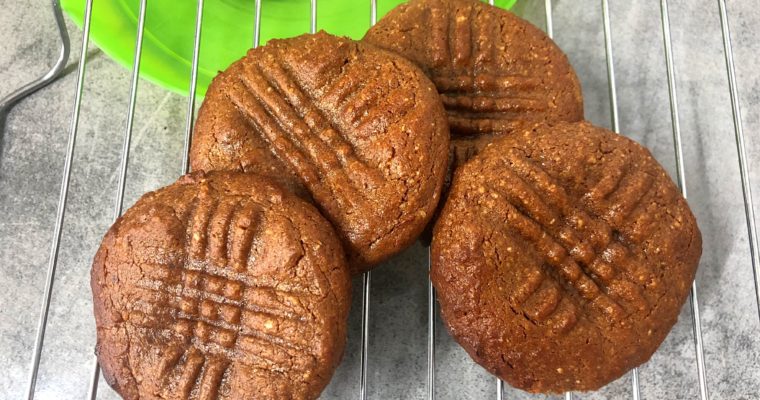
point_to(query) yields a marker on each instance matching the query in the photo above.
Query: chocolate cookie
(360, 129)
(562, 257)
(220, 286)
(493, 69)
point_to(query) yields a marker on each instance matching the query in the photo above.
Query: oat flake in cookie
(220, 286)
(494, 70)
(359, 129)
(562, 257)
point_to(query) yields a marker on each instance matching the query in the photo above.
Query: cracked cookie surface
(220, 286)
(360, 130)
(563, 256)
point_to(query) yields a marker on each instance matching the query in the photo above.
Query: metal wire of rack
(54, 72)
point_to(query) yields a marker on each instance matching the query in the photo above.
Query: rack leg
(14, 97)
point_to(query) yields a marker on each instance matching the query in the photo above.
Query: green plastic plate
(227, 31)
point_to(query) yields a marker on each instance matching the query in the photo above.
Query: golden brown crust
(359, 129)
(493, 69)
(223, 286)
(562, 257)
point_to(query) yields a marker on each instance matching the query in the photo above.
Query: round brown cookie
(562, 257)
(360, 129)
(492, 68)
(220, 286)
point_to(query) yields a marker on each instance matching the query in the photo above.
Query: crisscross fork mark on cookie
(491, 68)
(368, 105)
(602, 270)
(301, 134)
(463, 51)
(221, 313)
(226, 233)
(217, 330)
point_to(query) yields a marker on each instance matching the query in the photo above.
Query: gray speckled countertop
(32, 149)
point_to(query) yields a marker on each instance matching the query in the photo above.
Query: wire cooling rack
(698, 356)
